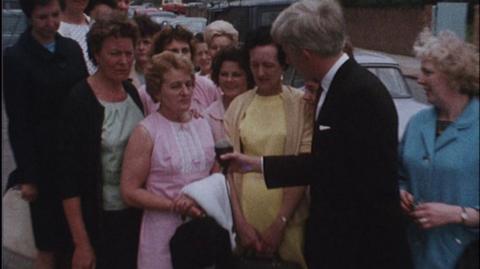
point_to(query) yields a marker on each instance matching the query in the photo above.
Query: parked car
(160, 14)
(178, 8)
(14, 24)
(247, 15)
(388, 71)
(194, 24)
(10, 4)
(417, 89)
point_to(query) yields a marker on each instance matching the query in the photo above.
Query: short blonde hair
(220, 28)
(457, 59)
(159, 65)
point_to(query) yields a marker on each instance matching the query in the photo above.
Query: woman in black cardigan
(39, 71)
(98, 118)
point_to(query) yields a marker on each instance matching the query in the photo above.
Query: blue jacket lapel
(428, 132)
(465, 120)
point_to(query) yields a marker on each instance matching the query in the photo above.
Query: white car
(193, 24)
(388, 71)
(14, 24)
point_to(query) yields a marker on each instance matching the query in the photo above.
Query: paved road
(7, 158)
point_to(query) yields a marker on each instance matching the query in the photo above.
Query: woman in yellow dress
(265, 121)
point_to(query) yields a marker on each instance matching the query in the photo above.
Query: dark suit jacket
(355, 218)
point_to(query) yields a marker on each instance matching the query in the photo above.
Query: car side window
(393, 80)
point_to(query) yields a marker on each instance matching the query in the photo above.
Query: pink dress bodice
(182, 153)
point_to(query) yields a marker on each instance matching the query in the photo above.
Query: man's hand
(242, 163)
(29, 192)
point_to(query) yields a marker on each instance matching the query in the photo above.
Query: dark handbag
(200, 243)
(248, 261)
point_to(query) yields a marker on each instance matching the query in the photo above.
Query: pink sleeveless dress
(182, 153)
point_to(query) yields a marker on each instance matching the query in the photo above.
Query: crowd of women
(110, 117)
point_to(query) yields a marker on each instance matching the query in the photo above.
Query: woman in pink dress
(168, 150)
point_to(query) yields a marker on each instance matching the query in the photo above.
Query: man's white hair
(317, 25)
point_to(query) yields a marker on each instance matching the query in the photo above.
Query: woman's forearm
(235, 201)
(292, 197)
(144, 199)
(73, 213)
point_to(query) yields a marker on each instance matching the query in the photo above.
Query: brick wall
(392, 30)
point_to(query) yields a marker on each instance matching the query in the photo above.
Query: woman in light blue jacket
(439, 154)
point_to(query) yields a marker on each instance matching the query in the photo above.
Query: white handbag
(17, 233)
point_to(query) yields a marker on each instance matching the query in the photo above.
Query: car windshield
(393, 80)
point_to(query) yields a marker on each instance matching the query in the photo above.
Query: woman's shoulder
(152, 118)
(242, 98)
(292, 92)
(200, 122)
(215, 109)
(68, 44)
(239, 103)
(152, 123)
(16, 53)
(423, 116)
(205, 84)
(82, 97)
(203, 80)
(81, 89)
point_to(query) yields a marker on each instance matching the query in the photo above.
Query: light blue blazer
(445, 170)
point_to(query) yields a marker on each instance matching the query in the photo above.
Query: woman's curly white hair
(457, 59)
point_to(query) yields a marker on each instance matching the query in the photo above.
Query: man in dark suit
(355, 218)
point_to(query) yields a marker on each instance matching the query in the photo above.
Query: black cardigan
(36, 82)
(80, 146)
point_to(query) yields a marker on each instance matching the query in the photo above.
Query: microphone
(222, 147)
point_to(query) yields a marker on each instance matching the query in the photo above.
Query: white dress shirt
(327, 81)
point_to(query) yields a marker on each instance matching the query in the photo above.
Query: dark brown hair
(236, 55)
(146, 26)
(116, 25)
(170, 33)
